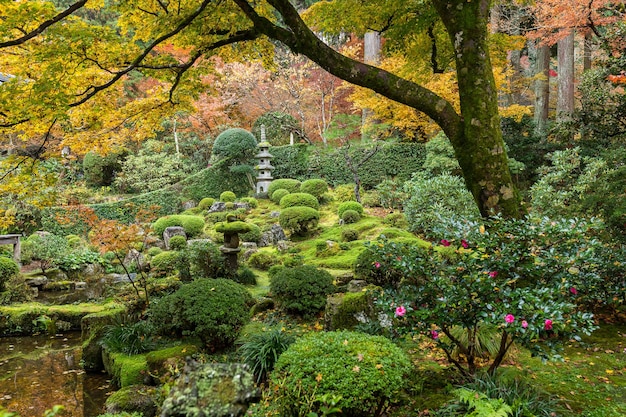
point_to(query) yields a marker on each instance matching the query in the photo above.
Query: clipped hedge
(299, 199)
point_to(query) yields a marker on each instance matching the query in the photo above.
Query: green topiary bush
(206, 203)
(228, 197)
(350, 216)
(155, 250)
(263, 260)
(363, 373)
(193, 225)
(213, 310)
(178, 242)
(299, 199)
(289, 184)
(315, 186)
(8, 269)
(277, 195)
(254, 235)
(299, 220)
(164, 263)
(349, 205)
(252, 202)
(349, 235)
(302, 290)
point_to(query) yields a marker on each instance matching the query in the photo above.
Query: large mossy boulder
(93, 326)
(344, 311)
(211, 390)
(161, 362)
(133, 399)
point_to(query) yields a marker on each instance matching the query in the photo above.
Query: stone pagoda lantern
(264, 168)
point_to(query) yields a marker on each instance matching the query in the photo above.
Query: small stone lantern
(264, 167)
(231, 230)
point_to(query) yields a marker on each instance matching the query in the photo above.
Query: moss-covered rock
(126, 370)
(160, 362)
(233, 227)
(24, 319)
(92, 328)
(133, 399)
(347, 310)
(211, 390)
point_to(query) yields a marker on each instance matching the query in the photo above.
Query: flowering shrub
(527, 278)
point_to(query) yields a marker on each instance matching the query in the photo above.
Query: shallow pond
(38, 372)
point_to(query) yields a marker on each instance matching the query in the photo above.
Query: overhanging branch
(44, 25)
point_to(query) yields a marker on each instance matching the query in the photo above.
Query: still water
(38, 372)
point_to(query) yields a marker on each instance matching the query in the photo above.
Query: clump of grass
(261, 351)
(129, 337)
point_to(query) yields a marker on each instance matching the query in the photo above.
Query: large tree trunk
(475, 134)
(479, 148)
(542, 89)
(565, 101)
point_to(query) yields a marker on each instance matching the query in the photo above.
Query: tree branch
(39, 150)
(301, 40)
(93, 90)
(44, 25)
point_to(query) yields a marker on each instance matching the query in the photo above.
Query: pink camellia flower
(573, 290)
(548, 324)
(524, 324)
(400, 311)
(445, 242)
(509, 318)
(493, 274)
(464, 243)
(434, 334)
(377, 264)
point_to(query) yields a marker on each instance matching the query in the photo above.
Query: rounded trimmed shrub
(302, 290)
(213, 310)
(277, 195)
(315, 186)
(235, 143)
(299, 199)
(155, 250)
(228, 197)
(164, 263)
(289, 184)
(350, 216)
(367, 373)
(299, 220)
(193, 225)
(375, 270)
(263, 260)
(178, 242)
(349, 205)
(8, 269)
(206, 203)
(252, 202)
(254, 235)
(349, 235)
